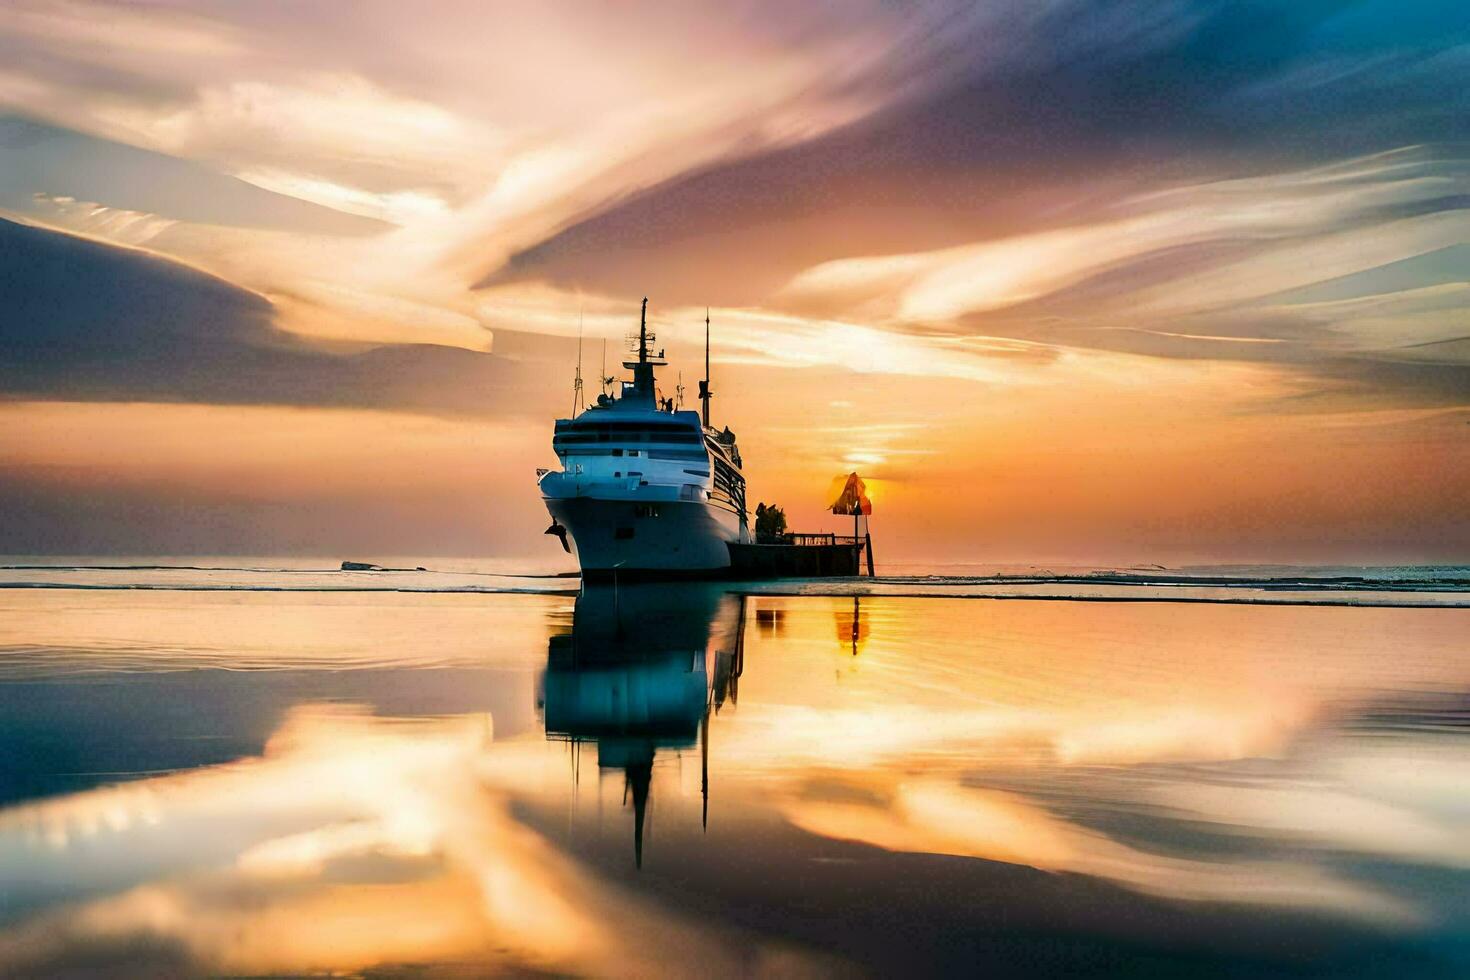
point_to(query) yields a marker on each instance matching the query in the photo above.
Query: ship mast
(643, 367)
(578, 401)
(704, 392)
(643, 333)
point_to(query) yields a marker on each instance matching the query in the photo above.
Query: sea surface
(253, 767)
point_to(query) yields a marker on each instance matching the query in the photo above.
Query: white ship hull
(633, 537)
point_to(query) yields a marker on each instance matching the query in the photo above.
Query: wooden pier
(801, 556)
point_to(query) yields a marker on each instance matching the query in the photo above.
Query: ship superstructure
(646, 487)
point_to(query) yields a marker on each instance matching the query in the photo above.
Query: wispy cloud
(1270, 234)
(1044, 222)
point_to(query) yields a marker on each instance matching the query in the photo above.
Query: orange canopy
(848, 495)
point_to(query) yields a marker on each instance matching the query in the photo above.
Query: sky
(1161, 281)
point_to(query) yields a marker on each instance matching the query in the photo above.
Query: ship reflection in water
(270, 783)
(642, 670)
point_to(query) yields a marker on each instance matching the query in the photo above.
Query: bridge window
(626, 432)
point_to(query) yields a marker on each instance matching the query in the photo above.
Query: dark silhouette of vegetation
(770, 522)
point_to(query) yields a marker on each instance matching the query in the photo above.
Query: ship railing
(808, 539)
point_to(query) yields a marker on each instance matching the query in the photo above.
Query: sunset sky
(1156, 281)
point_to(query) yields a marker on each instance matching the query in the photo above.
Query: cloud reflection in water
(1175, 751)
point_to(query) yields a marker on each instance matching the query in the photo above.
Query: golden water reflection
(1124, 744)
(352, 842)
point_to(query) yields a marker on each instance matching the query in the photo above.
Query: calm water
(687, 781)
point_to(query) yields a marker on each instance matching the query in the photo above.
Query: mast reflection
(852, 628)
(641, 671)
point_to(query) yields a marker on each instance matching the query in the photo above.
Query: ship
(647, 489)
